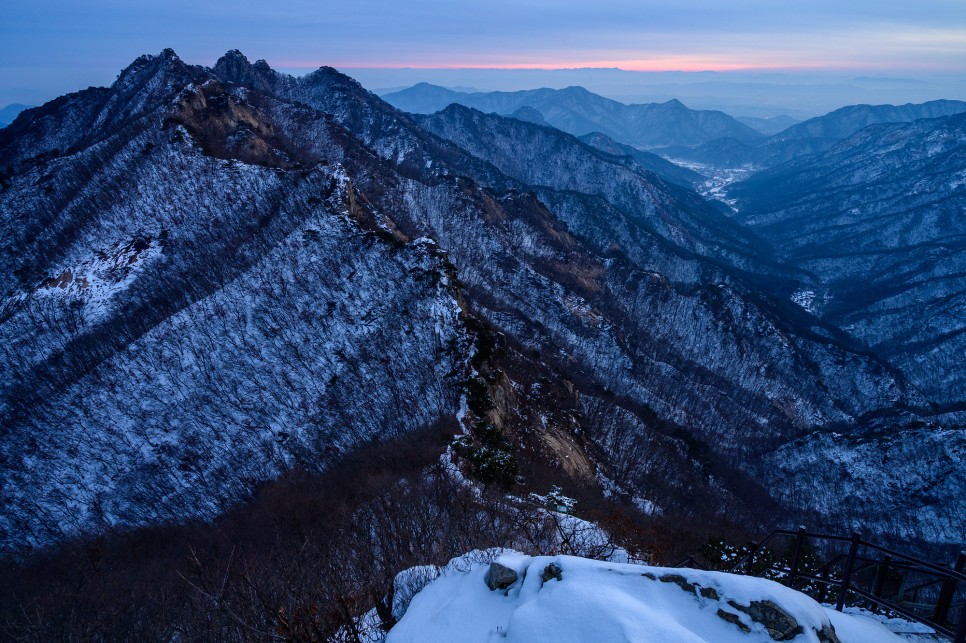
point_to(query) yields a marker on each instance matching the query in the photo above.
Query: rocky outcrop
(776, 620)
(598, 600)
(781, 625)
(500, 576)
(552, 571)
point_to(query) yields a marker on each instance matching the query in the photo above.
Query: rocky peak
(326, 75)
(229, 128)
(144, 86)
(233, 66)
(150, 65)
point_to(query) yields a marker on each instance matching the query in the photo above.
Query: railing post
(961, 630)
(796, 557)
(880, 576)
(751, 557)
(947, 592)
(847, 576)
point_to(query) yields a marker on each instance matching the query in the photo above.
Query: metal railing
(864, 574)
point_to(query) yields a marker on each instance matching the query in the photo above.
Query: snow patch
(95, 280)
(810, 300)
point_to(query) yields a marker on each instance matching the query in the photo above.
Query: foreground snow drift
(564, 598)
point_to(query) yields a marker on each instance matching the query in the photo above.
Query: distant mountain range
(809, 137)
(578, 111)
(10, 112)
(671, 129)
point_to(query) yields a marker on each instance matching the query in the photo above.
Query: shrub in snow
(555, 500)
(490, 455)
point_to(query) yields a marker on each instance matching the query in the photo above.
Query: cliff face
(210, 276)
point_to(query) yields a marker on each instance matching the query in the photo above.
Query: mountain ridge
(306, 268)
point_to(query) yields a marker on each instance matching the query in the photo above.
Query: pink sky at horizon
(624, 65)
(638, 65)
(49, 47)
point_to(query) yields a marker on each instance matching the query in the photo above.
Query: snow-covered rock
(604, 601)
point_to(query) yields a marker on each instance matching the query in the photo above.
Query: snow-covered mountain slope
(212, 275)
(840, 475)
(564, 598)
(578, 111)
(671, 214)
(521, 149)
(613, 328)
(651, 162)
(214, 314)
(877, 223)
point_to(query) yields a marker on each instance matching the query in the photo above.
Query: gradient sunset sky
(54, 46)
